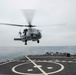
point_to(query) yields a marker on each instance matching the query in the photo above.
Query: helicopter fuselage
(30, 34)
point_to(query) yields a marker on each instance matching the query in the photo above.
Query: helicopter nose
(39, 35)
(36, 36)
(32, 35)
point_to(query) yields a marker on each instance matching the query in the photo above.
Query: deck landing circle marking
(17, 72)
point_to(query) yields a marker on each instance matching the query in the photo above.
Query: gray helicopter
(28, 34)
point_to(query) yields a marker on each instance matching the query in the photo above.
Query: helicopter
(28, 34)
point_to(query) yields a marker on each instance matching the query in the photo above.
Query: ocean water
(7, 53)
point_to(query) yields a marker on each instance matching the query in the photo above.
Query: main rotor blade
(46, 25)
(14, 24)
(29, 14)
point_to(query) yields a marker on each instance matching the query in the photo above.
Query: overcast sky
(47, 14)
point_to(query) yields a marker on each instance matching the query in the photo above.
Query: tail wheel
(38, 41)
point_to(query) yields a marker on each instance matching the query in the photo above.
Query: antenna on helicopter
(20, 33)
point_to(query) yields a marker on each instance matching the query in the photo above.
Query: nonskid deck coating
(50, 67)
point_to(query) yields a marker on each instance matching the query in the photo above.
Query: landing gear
(25, 42)
(38, 41)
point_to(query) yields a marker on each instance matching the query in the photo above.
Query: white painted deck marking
(49, 67)
(62, 67)
(29, 70)
(63, 61)
(13, 69)
(6, 63)
(37, 66)
(56, 61)
(50, 61)
(70, 61)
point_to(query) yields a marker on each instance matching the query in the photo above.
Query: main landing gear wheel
(38, 41)
(25, 42)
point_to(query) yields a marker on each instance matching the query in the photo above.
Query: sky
(55, 18)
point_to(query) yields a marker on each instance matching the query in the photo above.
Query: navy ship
(46, 64)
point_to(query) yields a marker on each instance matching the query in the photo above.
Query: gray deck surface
(50, 66)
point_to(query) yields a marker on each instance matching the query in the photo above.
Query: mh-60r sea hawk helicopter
(29, 34)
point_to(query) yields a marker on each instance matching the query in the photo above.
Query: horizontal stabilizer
(17, 38)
